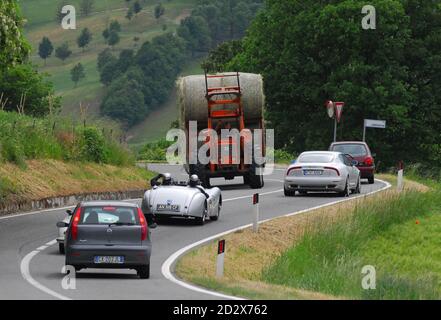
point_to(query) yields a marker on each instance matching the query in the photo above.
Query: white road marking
(42, 248)
(170, 262)
(24, 268)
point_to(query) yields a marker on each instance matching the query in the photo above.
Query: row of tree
(310, 51)
(62, 52)
(138, 82)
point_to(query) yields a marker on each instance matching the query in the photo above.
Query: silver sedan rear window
(316, 158)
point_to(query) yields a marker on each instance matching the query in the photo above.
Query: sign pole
(364, 131)
(256, 212)
(335, 129)
(220, 259)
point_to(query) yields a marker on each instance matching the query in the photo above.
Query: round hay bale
(193, 104)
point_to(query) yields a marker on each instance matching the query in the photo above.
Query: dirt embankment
(49, 179)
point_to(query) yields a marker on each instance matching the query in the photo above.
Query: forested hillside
(140, 81)
(320, 51)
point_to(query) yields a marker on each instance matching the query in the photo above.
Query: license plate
(109, 259)
(164, 207)
(312, 172)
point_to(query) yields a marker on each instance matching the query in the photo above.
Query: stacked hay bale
(192, 103)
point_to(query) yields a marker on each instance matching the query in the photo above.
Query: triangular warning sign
(339, 110)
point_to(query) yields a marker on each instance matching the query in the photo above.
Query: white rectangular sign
(380, 124)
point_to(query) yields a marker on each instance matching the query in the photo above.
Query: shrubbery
(154, 151)
(24, 138)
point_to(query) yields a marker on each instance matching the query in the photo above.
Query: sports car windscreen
(109, 215)
(316, 158)
(355, 150)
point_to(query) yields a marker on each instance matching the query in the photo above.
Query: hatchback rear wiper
(122, 224)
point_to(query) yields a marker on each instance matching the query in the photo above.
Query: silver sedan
(323, 171)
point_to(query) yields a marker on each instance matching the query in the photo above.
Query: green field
(41, 21)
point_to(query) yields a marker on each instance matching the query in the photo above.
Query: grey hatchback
(108, 234)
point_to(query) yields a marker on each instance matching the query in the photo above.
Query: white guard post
(220, 259)
(400, 178)
(256, 212)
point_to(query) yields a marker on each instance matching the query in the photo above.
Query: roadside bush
(154, 151)
(25, 138)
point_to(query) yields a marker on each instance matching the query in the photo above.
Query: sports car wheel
(358, 188)
(61, 248)
(201, 221)
(215, 218)
(289, 193)
(346, 191)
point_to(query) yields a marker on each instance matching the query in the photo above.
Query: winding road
(30, 265)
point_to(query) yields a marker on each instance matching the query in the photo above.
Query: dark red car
(359, 151)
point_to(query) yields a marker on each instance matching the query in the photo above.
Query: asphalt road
(30, 265)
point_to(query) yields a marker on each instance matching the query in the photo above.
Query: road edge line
(167, 266)
(26, 274)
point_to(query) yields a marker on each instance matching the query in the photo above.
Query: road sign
(330, 108)
(379, 124)
(369, 123)
(339, 110)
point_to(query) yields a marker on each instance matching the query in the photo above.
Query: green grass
(384, 234)
(25, 138)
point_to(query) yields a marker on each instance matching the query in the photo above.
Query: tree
(137, 7)
(319, 51)
(84, 38)
(129, 14)
(105, 57)
(125, 101)
(77, 73)
(86, 7)
(219, 58)
(63, 52)
(115, 26)
(13, 47)
(45, 49)
(195, 31)
(113, 38)
(23, 80)
(159, 10)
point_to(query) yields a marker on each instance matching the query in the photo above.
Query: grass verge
(319, 255)
(42, 179)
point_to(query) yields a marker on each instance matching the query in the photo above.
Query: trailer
(232, 99)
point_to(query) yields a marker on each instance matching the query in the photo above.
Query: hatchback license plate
(109, 259)
(313, 172)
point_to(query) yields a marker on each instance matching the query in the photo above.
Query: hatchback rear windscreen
(316, 158)
(355, 150)
(109, 215)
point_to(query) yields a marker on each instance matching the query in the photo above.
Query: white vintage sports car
(189, 200)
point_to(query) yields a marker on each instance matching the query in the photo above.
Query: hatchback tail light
(143, 223)
(369, 161)
(75, 221)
